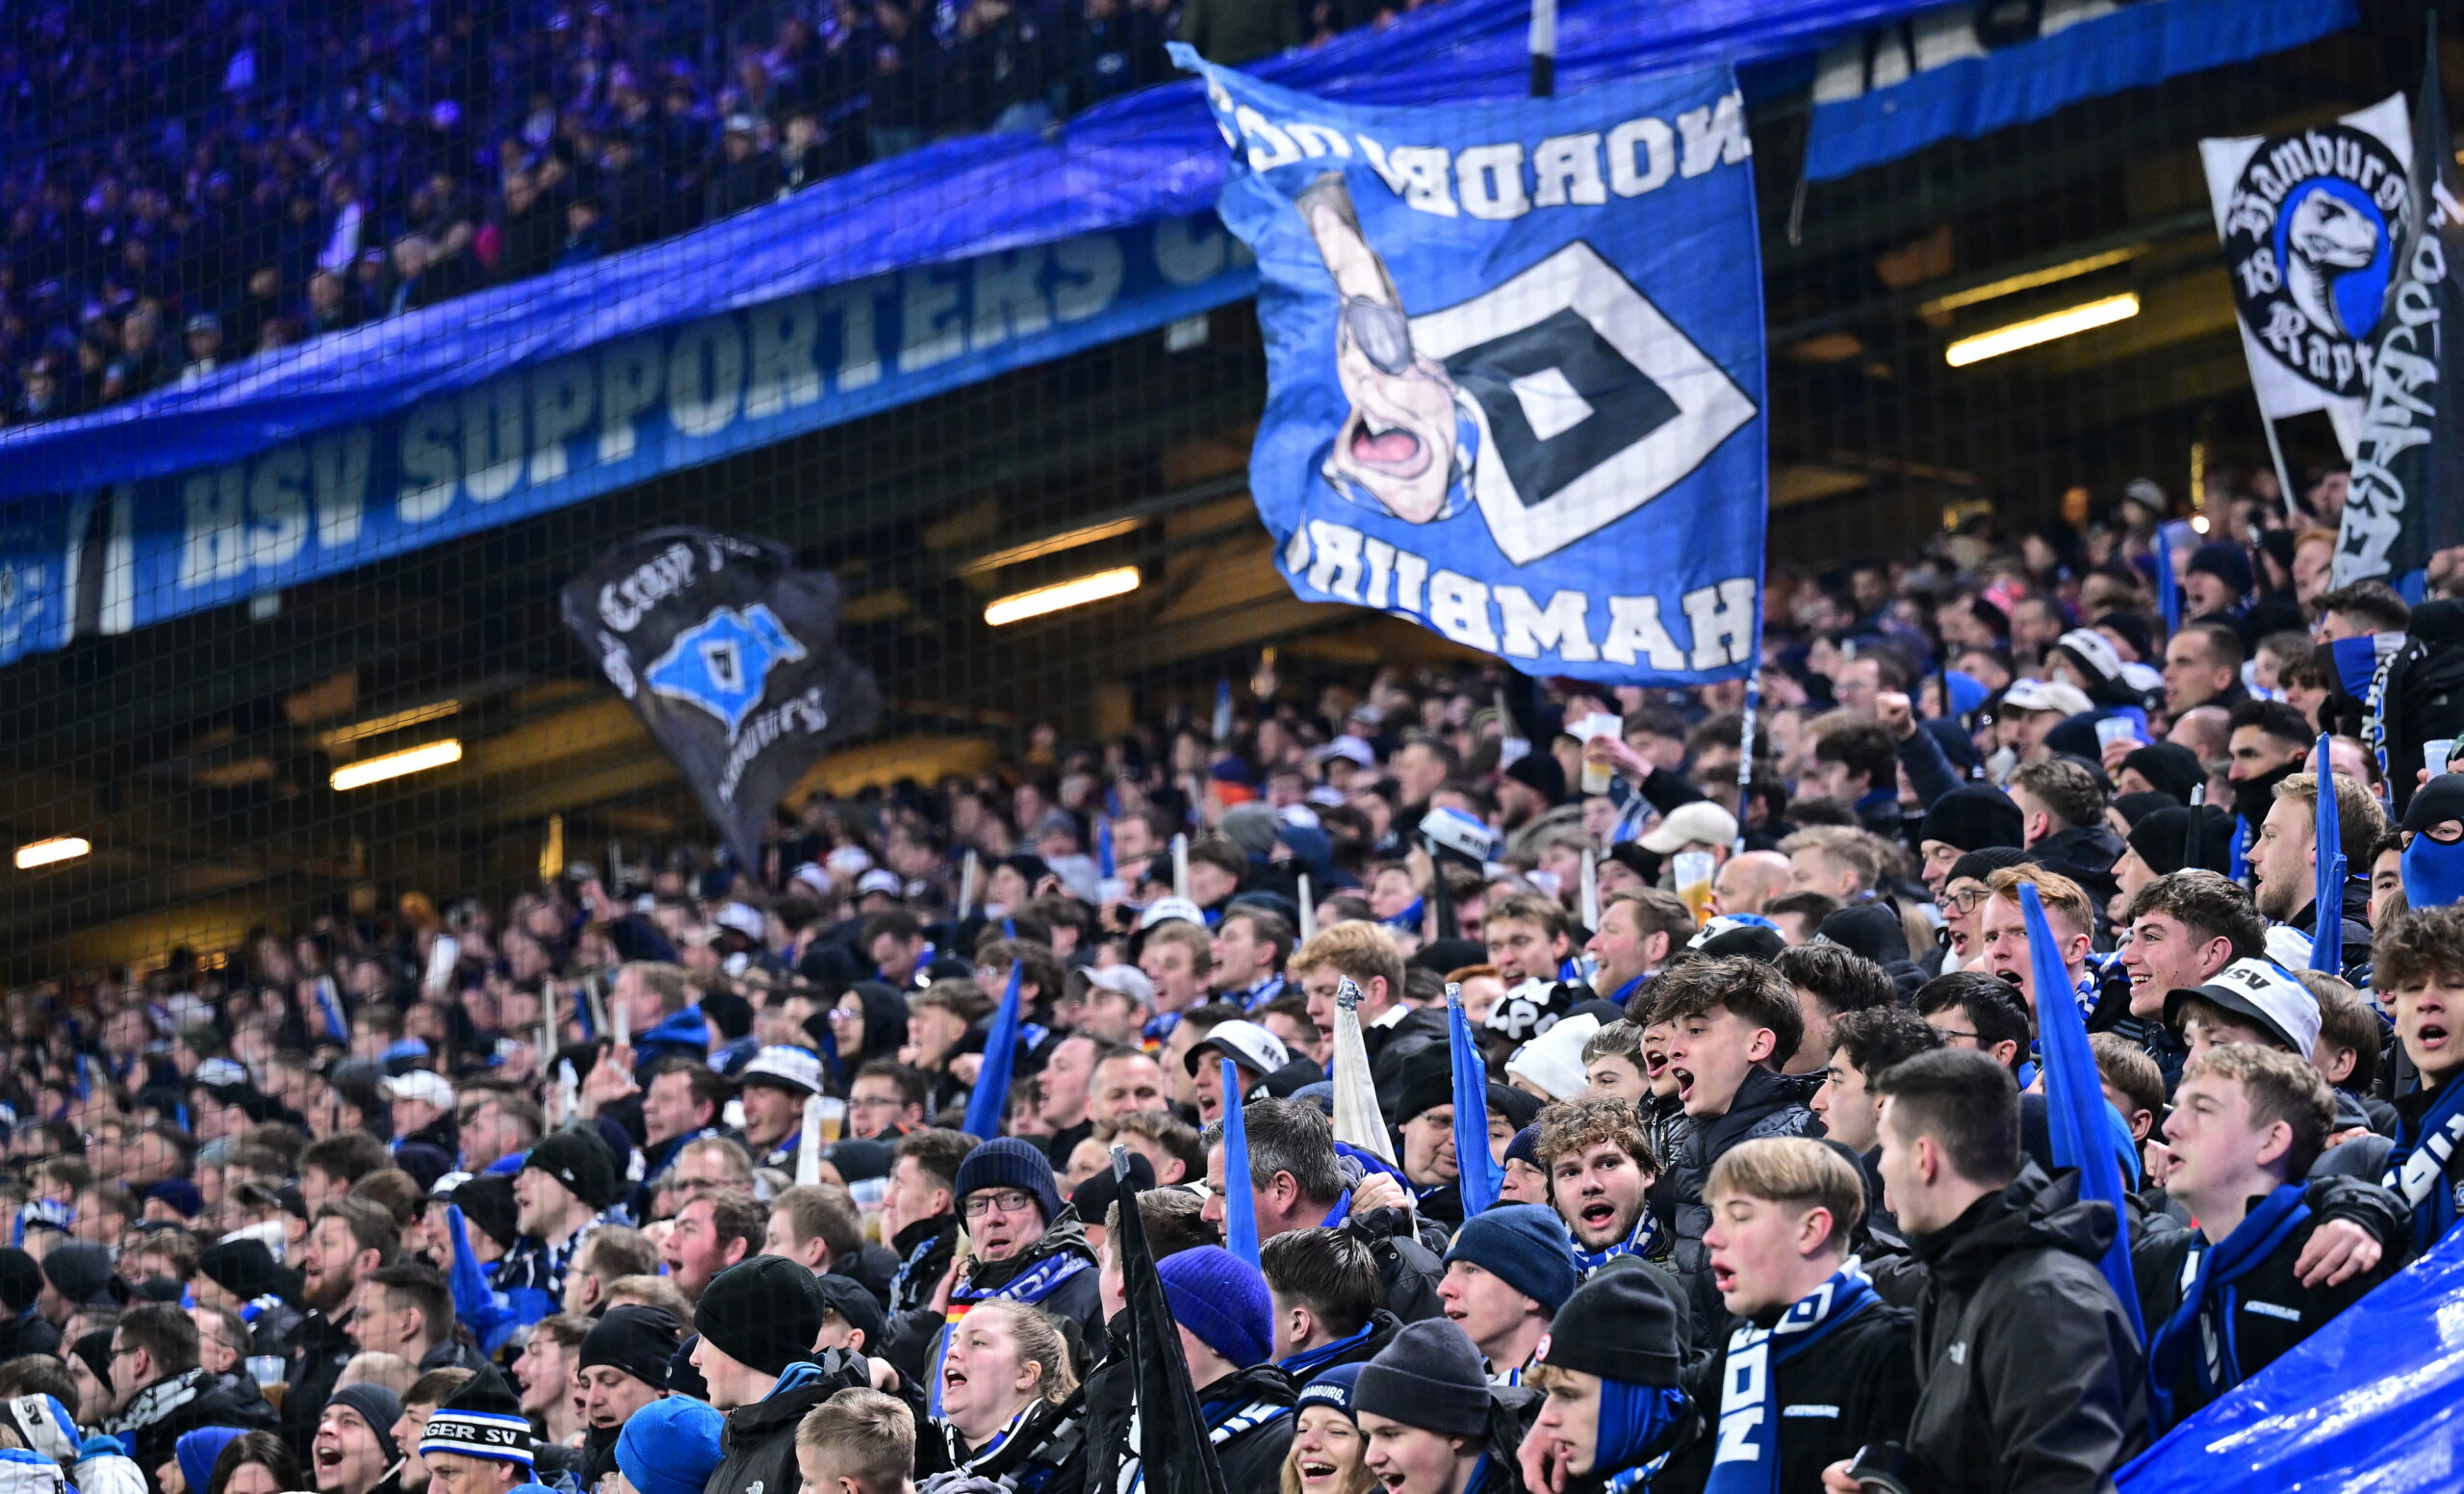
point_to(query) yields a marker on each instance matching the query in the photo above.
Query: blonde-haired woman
(1010, 1407)
(1329, 1454)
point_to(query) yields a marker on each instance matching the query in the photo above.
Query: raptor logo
(723, 663)
(2312, 232)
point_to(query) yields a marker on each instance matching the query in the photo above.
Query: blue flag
(1104, 864)
(2075, 1104)
(488, 1317)
(1480, 1177)
(988, 1104)
(330, 1011)
(1239, 1203)
(1959, 73)
(2168, 587)
(2327, 861)
(1514, 366)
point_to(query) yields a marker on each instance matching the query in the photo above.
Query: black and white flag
(2409, 458)
(730, 654)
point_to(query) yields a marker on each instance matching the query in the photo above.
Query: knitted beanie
(1973, 817)
(1621, 1324)
(245, 1269)
(79, 1272)
(764, 1313)
(670, 1446)
(20, 1280)
(849, 1301)
(483, 1419)
(1430, 1376)
(579, 1160)
(1338, 1387)
(1011, 1162)
(1223, 1301)
(1524, 1245)
(196, 1451)
(377, 1407)
(637, 1340)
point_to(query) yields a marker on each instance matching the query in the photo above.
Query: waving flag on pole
(2327, 864)
(2075, 1103)
(1239, 1203)
(484, 1311)
(2168, 587)
(1479, 1181)
(1167, 1451)
(1358, 1122)
(988, 1104)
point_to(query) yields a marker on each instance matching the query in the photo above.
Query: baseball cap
(784, 1068)
(2067, 700)
(742, 918)
(1126, 979)
(420, 1085)
(1451, 829)
(1163, 910)
(2265, 993)
(880, 879)
(1687, 824)
(1246, 1043)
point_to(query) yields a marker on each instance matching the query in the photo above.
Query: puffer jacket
(1767, 1103)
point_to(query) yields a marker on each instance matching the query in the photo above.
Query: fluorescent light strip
(361, 731)
(1094, 534)
(2042, 329)
(2010, 285)
(394, 765)
(1024, 605)
(44, 852)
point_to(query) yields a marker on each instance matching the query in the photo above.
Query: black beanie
(1981, 865)
(580, 1161)
(1973, 817)
(2162, 840)
(81, 1273)
(487, 1202)
(1429, 1376)
(245, 1269)
(857, 1307)
(682, 1376)
(764, 1313)
(2169, 768)
(1621, 1324)
(96, 1348)
(21, 1279)
(377, 1407)
(483, 1419)
(1429, 1082)
(638, 1341)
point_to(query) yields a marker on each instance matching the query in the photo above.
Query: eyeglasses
(875, 1102)
(1967, 900)
(121, 1351)
(1009, 1200)
(1954, 1035)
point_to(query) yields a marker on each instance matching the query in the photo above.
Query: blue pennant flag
(1104, 865)
(2075, 1103)
(2327, 861)
(488, 1317)
(1240, 1203)
(582, 1017)
(1480, 1178)
(988, 1104)
(1515, 367)
(2168, 587)
(331, 1011)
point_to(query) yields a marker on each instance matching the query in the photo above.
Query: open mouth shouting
(1653, 1063)
(1315, 1471)
(1684, 1082)
(1598, 1218)
(2432, 1036)
(1391, 446)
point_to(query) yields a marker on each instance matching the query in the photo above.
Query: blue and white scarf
(2417, 1165)
(1645, 1235)
(1029, 1286)
(2210, 1302)
(1748, 1459)
(1300, 1365)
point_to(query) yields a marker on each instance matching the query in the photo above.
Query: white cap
(1163, 910)
(782, 1067)
(881, 880)
(2067, 700)
(1351, 749)
(745, 919)
(1245, 1042)
(2095, 650)
(811, 875)
(420, 1085)
(1126, 979)
(2263, 993)
(1452, 830)
(1554, 1060)
(1700, 822)
(849, 861)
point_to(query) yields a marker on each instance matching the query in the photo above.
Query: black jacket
(1046, 1453)
(1249, 1418)
(318, 1351)
(170, 1409)
(757, 1445)
(1857, 1385)
(2030, 1375)
(1767, 1103)
(2085, 853)
(1077, 1303)
(870, 1267)
(2277, 1311)
(29, 1333)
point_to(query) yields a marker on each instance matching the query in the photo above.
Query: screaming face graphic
(1401, 447)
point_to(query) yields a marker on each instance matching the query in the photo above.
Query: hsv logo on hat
(1246, 1043)
(2262, 993)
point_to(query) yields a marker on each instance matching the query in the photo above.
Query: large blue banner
(1960, 71)
(1515, 366)
(603, 416)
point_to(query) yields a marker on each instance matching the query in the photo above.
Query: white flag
(2311, 222)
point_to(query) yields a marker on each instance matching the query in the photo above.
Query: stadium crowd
(660, 1179)
(185, 186)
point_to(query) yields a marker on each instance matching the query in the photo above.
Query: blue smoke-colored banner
(1515, 366)
(1961, 71)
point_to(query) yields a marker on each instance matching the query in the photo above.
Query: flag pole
(1544, 48)
(2283, 475)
